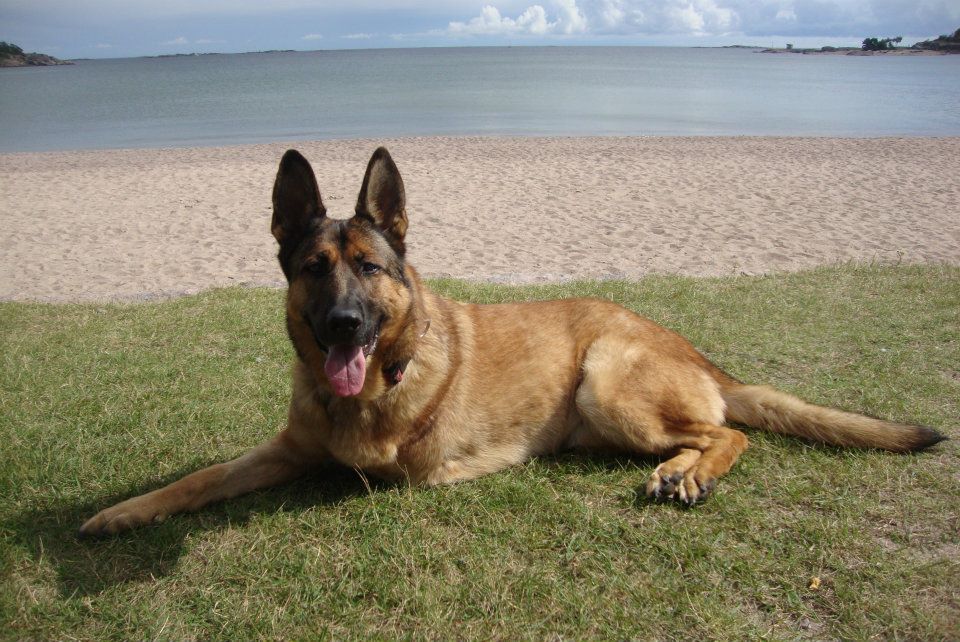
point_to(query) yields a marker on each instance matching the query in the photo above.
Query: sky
(122, 28)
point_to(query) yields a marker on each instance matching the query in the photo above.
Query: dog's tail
(776, 411)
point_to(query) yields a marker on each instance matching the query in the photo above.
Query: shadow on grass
(89, 566)
(587, 462)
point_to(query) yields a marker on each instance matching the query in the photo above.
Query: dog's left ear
(382, 199)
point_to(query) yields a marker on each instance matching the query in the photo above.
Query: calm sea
(224, 99)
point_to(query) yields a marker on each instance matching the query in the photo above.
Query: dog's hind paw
(684, 488)
(693, 490)
(663, 485)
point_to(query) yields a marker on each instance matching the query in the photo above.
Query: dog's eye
(368, 268)
(319, 266)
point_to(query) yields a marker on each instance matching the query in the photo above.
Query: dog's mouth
(346, 365)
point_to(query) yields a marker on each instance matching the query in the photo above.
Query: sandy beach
(141, 224)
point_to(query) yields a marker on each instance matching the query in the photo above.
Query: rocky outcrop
(14, 56)
(946, 44)
(31, 60)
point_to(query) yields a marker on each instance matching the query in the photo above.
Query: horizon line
(473, 46)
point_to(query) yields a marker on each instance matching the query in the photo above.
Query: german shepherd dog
(401, 383)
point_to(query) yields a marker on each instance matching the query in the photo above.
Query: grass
(101, 402)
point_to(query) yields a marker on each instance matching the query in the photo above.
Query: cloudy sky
(117, 28)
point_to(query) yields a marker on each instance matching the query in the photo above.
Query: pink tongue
(346, 369)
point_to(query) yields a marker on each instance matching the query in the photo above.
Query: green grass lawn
(101, 402)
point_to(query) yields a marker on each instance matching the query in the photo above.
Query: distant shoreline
(852, 51)
(945, 44)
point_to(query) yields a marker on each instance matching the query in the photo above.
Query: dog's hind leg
(646, 402)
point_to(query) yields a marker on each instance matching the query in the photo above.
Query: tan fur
(779, 412)
(490, 386)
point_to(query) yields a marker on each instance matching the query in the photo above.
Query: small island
(946, 44)
(13, 56)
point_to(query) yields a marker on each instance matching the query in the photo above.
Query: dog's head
(348, 288)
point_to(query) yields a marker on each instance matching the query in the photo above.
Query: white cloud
(358, 36)
(599, 17)
(684, 17)
(312, 36)
(181, 40)
(103, 45)
(571, 20)
(786, 14)
(611, 13)
(533, 21)
(687, 18)
(490, 22)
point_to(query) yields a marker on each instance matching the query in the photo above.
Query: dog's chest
(363, 440)
(365, 453)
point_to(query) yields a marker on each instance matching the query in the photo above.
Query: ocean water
(243, 98)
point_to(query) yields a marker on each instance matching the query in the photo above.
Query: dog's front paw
(121, 517)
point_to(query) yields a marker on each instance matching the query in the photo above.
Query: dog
(396, 381)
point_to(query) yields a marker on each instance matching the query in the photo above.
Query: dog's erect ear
(382, 198)
(296, 198)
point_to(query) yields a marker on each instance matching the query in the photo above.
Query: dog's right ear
(296, 198)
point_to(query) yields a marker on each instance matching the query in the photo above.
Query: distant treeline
(943, 43)
(879, 44)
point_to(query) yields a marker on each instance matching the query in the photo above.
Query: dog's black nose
(344, 322)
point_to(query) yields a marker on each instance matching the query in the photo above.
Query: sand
(141, 224)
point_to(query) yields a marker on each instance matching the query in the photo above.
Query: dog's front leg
(277, 461)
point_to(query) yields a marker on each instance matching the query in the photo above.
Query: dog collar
(394, 372)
